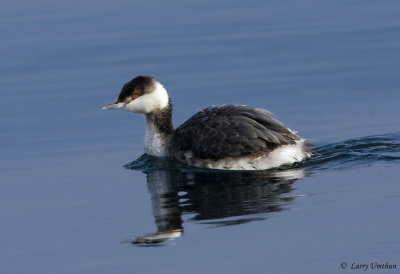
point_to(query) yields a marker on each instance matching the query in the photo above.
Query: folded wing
(230, 131)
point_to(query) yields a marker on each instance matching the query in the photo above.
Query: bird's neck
(159, 130)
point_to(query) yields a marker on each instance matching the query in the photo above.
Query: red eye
(135, 96)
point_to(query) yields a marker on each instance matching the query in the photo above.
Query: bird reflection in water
(217, 198)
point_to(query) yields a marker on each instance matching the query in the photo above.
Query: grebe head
(143, 94)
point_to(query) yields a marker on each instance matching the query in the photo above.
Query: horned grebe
(232, 137)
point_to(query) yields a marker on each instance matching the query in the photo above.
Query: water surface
(72, 201)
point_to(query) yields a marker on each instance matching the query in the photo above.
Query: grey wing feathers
(230, 131)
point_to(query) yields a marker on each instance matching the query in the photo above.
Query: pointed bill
(114, 105)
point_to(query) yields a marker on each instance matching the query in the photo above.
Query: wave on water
(223, 198)
(362, 151)
(355, 152)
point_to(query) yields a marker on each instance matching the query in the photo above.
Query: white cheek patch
(147, 103)
(135, 106)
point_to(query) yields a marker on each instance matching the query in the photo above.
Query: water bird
(226, 137)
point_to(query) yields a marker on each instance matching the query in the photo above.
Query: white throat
(155, 143)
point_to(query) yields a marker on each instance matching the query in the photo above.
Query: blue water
(74, 199)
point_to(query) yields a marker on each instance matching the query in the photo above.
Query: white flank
(284, 155)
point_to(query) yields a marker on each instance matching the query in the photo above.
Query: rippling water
(347, 154)
(221, 198)
(70, 204)
(356, 152)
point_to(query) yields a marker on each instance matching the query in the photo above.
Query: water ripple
(362, 151)
(223, 198)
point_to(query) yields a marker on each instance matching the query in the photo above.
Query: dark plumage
(230, 131)
(162, 120)
(139, 85)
